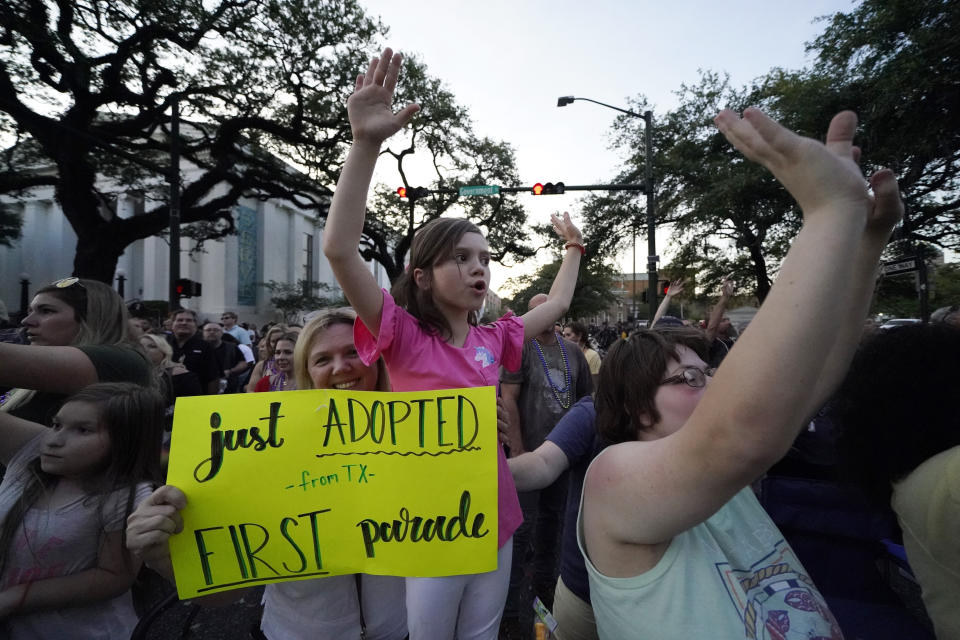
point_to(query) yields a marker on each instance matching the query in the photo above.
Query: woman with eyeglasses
(675, 543)
(78, 336)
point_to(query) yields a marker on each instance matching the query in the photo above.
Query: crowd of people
(634, 485)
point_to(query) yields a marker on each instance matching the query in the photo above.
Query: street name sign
(480, 190)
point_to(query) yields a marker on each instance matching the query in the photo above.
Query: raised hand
(819, 176)
(370, 108)
(565, 228)
(728, 286)
(676, 287)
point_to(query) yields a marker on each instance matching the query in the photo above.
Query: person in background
(78, 336)
(338, 607)
(64, 571)
(576, 332)
(190, 349)
(900, 440)
(230, 358)
(266, 365)
(283, 357)
(720, 331)
(230, 326)
(553, 375)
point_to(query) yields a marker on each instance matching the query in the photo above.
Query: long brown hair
(133, 417)
(433, 244)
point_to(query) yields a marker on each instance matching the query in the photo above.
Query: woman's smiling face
(335, 364)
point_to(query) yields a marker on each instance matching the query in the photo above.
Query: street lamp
(652, 257)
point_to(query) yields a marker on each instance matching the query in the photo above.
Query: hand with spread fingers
(370, 108)
(565, 228)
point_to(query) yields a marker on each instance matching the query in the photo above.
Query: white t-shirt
(60, 542)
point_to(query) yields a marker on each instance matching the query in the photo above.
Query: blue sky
(509, 61)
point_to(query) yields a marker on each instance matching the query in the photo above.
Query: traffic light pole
(174, 181)
(652, 256)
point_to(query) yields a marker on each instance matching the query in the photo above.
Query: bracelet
(578, 245)
(23, 596)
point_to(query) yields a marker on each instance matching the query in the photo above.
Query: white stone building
(275, 241)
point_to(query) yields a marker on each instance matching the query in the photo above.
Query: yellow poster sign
(305, 484)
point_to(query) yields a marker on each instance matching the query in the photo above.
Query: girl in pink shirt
(429, 336)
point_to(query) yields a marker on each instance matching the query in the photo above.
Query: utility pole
(173, 179)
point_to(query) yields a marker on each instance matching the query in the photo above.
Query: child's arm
(372, 121)
(113, 576)
(14, 433)
(676, 288)
(538, 468)
(542, 317)
(647, 492)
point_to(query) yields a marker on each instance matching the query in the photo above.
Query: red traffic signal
(665, 287)
(549, 189)
(414, 193)
(186, 288)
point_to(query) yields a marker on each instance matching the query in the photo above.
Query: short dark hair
(581, 330)
(891, 412)
(177, 312)
(433, 244)
(630, 376)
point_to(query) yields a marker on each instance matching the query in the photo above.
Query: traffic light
(414, 193)
(187, 288)
(549, 189)
(664, 287)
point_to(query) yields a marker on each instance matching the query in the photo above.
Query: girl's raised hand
(565, 228)
(819, 176)
(370, 107)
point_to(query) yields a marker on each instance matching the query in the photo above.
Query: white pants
(465, 607)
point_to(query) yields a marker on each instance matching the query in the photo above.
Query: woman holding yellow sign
(331, 607)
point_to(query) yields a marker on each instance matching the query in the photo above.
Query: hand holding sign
(306, 484)
(150, 526)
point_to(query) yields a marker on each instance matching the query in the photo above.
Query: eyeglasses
(63, 283)
(691, 376)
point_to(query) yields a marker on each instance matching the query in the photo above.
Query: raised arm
(675, 288)
(542, 317)
(372, 121)
(727, 288)
(647, 492)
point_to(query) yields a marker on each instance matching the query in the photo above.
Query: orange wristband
(578, 245)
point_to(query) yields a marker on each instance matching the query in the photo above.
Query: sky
(508, 61)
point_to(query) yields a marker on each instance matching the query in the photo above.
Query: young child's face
(460, 282)
(78, 445)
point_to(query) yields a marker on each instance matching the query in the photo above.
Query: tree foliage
(890, 61)
(592, 296)
(87, 88)
(293, 300)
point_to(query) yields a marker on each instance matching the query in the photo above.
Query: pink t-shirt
(419, 361)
